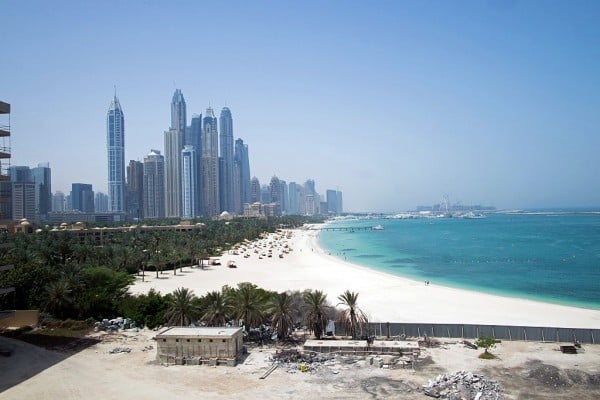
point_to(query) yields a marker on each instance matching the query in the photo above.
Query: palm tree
(59, 299)
(182, 308)
(281, 310)
(217, 310)
(249, 303)
(316, 311)
(352, 317)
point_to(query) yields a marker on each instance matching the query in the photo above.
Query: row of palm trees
(252, 307)
(69, 277)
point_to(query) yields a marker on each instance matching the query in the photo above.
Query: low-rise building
(195, 346)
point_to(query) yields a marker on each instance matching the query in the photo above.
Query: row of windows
(199, 340)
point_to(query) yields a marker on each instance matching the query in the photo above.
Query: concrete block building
(195, 346)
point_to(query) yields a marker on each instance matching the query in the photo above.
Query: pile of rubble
(294, 360)
(294, 356)
(463, 385)
(115, 324)
(117, 350)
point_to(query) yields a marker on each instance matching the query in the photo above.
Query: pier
(343, 228)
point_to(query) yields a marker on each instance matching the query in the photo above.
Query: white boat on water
(378, 228)
(472, 215)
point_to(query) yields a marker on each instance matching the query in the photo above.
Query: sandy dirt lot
(525, 370)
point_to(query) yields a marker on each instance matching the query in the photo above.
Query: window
(210, 340)
(164, 340)
(199, 340)
(223, 340)
(177, 340)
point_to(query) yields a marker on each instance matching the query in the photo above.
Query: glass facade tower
(174, 139)
(226, 147)
(115, 142)
(188, 181)
(210, 165)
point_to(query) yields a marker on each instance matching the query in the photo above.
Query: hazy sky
(395, 103)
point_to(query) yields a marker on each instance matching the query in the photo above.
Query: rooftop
(202, 331)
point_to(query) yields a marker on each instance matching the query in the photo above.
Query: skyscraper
(23, 200)
(210, 165)
(255, 190)
(226, 147)
(42, 177)
(59, 201)
(275, 190)
(115, 142)
(284, 196)
(178, 112)
(188, 181)
(242, 165)
(31, 193)
(275, 194)
(309, 199)
(174, 138)
(82, 197)
(134, 190)
(294, 198)
(193, 137)
(154, 185)
(100, 202)
(20, 173)
(332, 201)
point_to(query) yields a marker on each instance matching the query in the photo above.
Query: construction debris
(268, 372)
(470, 344)
(294, 361)
(463, 385)
(120, 350)
(115, 324)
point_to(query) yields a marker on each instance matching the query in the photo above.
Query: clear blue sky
(395, 103)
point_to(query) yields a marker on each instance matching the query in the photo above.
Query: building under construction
(5, 197)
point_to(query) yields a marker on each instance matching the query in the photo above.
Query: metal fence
(467, 331)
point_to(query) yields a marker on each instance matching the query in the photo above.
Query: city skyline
(396, 105)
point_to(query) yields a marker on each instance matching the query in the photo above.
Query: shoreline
(382, 296)
(453, 285)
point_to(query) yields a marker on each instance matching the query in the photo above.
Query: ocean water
(545, 256)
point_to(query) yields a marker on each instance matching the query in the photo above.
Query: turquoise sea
(547, 256)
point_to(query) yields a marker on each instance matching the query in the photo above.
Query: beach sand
(383, 297)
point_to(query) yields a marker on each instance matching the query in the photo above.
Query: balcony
(4, 152)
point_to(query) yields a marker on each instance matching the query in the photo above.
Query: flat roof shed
(204, 345)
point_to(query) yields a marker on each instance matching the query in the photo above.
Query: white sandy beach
(384, 297)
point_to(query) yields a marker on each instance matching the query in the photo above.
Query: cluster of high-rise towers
(203, 172)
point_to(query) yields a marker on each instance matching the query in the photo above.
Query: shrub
(486, 342)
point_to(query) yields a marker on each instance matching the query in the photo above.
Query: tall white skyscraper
(188, 181)
(115, 142)
(174, 138)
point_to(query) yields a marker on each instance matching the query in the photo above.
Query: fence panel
(502, 332)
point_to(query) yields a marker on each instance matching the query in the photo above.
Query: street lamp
(146, 256)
